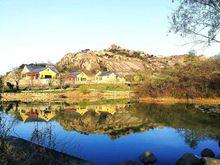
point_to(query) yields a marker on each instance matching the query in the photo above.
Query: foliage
(195, 79)
(1, 84)
(32, 65)
(192, 53)
(199, 18)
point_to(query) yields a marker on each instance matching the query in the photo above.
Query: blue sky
(44, 30)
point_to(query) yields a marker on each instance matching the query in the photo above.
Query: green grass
(104, 87)
(86, 88)
(106, 101)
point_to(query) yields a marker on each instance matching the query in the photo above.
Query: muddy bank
(18, 151)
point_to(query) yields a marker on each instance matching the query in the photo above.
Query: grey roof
(75, 73)
(33, 67)
(54, 69)
(37, 70)
(43, 68)
(106, 73)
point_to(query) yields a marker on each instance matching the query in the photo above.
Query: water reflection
(118, 120)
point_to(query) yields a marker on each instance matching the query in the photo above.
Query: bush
(193, 80)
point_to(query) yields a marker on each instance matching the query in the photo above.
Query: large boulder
(131, 162)
(189, 159)
(207, 153)
(210, 161)
(147, 158)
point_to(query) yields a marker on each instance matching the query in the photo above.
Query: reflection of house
(47, 72)
(105, 108)
(81, 110)
(108, 77)
(36, 115)
(99, 108)
(78, 77)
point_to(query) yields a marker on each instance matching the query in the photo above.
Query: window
(48, 76)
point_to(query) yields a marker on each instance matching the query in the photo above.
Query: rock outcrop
(189, 159)
(120, 60)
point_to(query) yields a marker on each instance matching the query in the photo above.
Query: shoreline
(172, 100)
(65, 96)
(33, 153)
(74, 96)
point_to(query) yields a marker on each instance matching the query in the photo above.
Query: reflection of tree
(44, 136)
(6, 126)
(191, 137)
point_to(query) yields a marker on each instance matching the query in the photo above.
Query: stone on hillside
(188, 159)
(210, 161)
(147, 158)
(208, 153)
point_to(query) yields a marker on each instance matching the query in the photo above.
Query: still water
(110, 133)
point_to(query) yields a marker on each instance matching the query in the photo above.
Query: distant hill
(120, 60)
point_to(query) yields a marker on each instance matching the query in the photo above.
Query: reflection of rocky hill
(118, 124)
(117, 120)
(138, 118)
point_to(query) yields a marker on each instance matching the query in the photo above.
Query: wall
(27, 83)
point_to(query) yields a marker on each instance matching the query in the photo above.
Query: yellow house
(79, 77)
(48, 72)
(105, 77)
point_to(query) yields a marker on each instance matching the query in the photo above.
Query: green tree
(192, 53)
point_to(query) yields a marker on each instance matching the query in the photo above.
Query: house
(106, 77)
(36, 115)
(78, 77)
(48, 72)
(29, 68)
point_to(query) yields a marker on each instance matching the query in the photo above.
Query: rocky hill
(117, 59)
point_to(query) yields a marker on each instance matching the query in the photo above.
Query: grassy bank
(172, 100)
(70, 96)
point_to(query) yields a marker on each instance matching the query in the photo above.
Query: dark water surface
(112, 133)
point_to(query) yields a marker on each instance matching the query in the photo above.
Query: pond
(110, 133)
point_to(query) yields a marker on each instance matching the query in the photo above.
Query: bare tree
(197, 18)
(6, 126)
(44, 136)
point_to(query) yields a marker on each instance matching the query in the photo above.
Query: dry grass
(171, 100)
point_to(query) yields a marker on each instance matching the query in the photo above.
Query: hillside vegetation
(194, 79)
